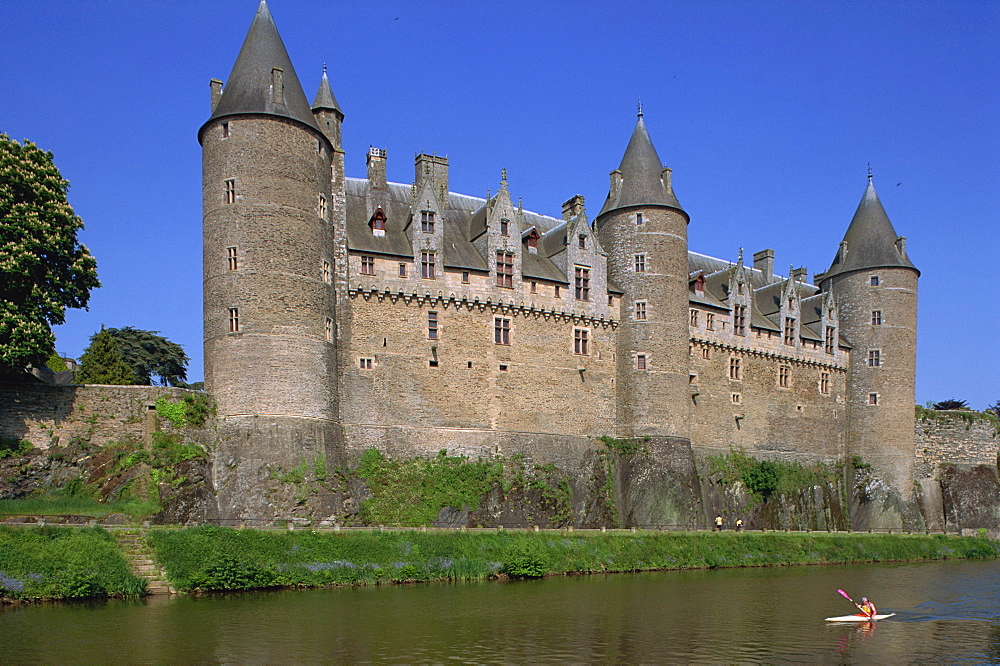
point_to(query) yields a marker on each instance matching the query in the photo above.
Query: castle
(345, 313)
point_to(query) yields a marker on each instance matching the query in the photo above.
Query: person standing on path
(718, 522)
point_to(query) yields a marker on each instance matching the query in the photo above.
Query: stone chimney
(799, 274)
(616, 182)
(434, 168)
(667, 176)
(277, 85)
(216, 86)
(572, 208)
(764, 262)
(376, 168)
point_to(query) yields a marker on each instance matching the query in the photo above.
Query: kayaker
(867, 607)
(718, 522)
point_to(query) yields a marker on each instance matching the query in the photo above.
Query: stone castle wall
(950, 439)
(50, 416)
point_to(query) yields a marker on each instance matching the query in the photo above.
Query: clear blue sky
(768, 113)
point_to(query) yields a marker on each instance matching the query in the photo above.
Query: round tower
(875, 287)
(644, 230)
(268, 249)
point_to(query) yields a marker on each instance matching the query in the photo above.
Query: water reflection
(946, 611)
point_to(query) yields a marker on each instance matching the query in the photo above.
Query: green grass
(61, 504)
(63, 563)
(215, 558)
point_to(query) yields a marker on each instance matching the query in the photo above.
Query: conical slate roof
(641, 183)
(870, 240)
(248, 89)
(324, 96)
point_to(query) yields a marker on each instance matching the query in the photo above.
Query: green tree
(994, 409)
(43, 268)
(151, 355)
(951, 403)
(102, 362)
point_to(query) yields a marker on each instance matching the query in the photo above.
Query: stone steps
(133, 545)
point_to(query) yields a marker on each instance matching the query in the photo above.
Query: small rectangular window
(504, 226)
(876, 317)
(465, 277)
(402, 270)
(582, 283)
(225, 130)
(327, 272)
(736, 398)
(580, 340)
(427, 263)
(638, 218)
(427, 221)
(328, 329)
(582, 241)
(874, 281)
(824, 382)
(231, 258)
(640, 361)
(234, 320)
(230, 190)
(874, 358)
(505, 270)
(784, 376)
(710, 321)
(640, 263)
(735, 369)
(367, 265)
(706, 353)
(534, 287)
(611, 299)
(556, 291)
(366, 363)
(432, 325)
(830, 338)
(873, 398)
(694, 318)
(501, 331)
(640, 310)
(321, 206)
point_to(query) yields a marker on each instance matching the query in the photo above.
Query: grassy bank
(63, 563)
(213, 558)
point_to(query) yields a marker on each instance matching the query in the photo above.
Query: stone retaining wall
(950, 438)
(48, 415)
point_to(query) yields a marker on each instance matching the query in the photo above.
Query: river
(946, 612)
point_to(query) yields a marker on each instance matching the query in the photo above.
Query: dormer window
(531, 239)
(427, 221)
(504, 226)
(377, 222)
(583, 241)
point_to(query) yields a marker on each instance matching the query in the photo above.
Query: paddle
(844, 594)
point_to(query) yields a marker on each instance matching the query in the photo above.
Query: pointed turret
(870, 241)
(641, 179)
(324, 96)
(327, 112)
(263, 80)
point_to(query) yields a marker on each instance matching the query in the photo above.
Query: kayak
(858, 618)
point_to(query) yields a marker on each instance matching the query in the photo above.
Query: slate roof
(248, 89)
(462, 216)
(641, 183)
(870, 239)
